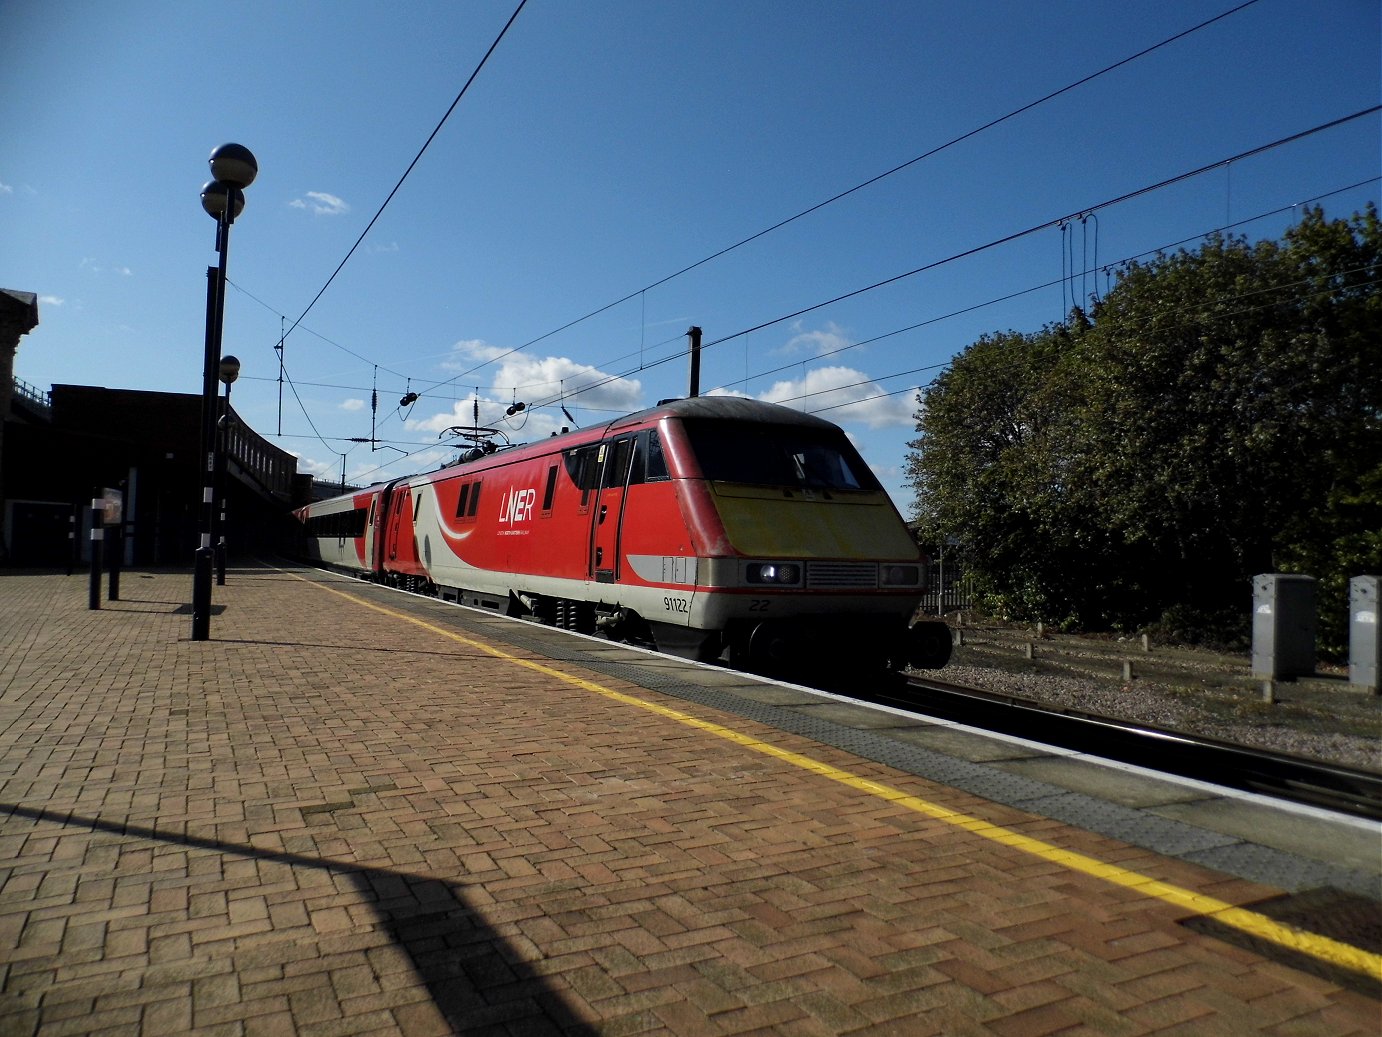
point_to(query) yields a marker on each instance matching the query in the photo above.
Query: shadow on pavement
(475, 978)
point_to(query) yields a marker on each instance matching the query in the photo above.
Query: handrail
(33, 394)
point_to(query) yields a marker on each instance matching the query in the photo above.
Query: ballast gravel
(1181, 689)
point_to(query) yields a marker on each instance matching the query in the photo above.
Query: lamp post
(228, 372)
(233, 168)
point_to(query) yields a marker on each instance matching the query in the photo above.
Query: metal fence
(956, 596)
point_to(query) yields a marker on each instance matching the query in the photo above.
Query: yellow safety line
(1250, 922)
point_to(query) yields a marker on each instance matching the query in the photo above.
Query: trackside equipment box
(1283, 626)
(1364, 641)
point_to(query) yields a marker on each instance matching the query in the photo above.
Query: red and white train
(712, 527)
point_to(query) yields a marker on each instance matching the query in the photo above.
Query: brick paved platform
(345, 814)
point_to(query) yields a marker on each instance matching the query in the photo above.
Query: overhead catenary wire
(278, 346)
(1014, 236)
(1064, 278)
(1159, 250)
(862, 186)
(767, 230)
(1046, 225)
(1203, 315)
(416, 158)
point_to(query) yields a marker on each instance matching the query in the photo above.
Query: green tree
(1220, 415)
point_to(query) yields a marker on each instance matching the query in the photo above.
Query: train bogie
(712, 528)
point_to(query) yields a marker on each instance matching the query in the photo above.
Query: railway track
(1296, 779)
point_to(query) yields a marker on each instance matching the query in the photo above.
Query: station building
(61, 448)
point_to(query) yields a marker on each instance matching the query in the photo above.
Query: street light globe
(230, 369)
(217, 195)
(234, 165)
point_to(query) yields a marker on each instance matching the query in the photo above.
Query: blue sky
(606, 145)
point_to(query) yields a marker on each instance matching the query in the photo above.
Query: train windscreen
(796, 457)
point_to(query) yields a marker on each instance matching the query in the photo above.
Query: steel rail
(1296, 779)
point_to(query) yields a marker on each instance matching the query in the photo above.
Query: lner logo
(516, 505)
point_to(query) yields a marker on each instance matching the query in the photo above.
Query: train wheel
(929, 645)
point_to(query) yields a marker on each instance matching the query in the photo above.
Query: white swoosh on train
(449, 533)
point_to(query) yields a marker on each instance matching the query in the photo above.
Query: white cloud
(94, 266)
(352, 405)
(429, 459)
(51, 300)
(6, 189)
(830, 339)
(850, 395)
(544, 384)
(321, 204)
(526, 427)
(311, 466)
(544, 378)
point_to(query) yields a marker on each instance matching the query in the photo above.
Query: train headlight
(781, 574)
(899, 575)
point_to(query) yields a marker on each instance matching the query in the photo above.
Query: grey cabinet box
(1283, 625)
(1363, 631)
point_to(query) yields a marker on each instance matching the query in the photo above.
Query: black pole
(72, 554)
(694, 333)
(234, 168)
(206, 457)
(93, 596)
(222, 435)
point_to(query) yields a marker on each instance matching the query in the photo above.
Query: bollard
(201, 594)
(117, 556)
(958, 639)
(93, 596)
(1146, 643)
(1029, 650)
(1127, 669)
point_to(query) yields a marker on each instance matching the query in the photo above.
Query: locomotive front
(804, 557)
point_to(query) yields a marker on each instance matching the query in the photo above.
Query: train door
(368, 537)
(399, 515)
(607, 516)
(378, 526)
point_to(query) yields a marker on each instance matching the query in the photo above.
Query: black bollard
(117, 557)
(93, 598)
(201, 594)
